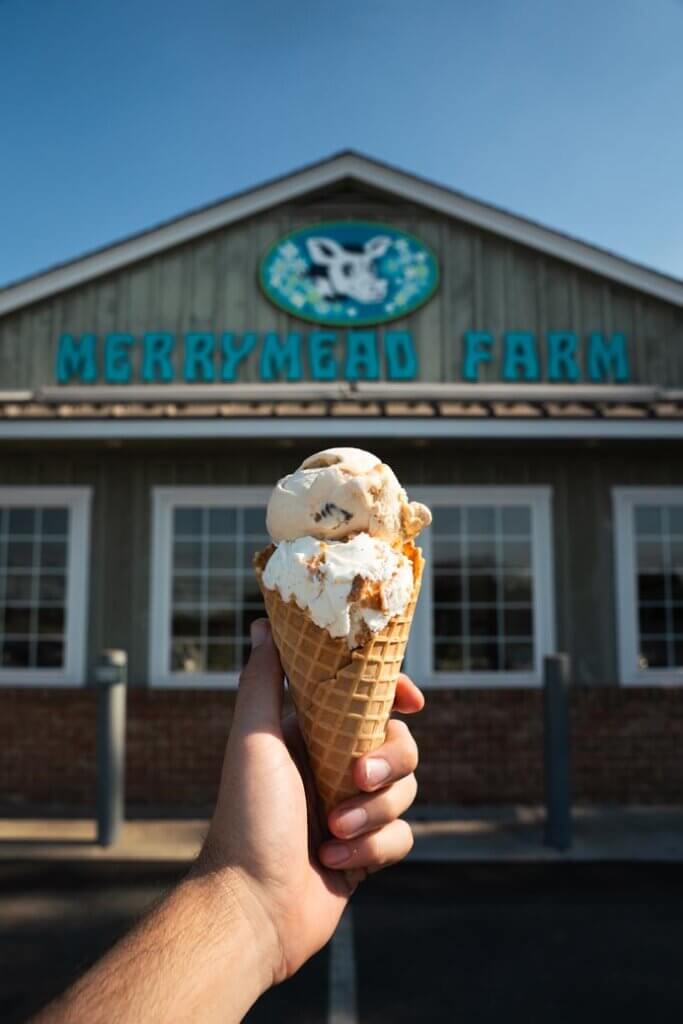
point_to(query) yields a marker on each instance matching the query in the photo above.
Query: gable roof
(347, 165)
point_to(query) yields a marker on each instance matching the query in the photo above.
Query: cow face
(350, 274)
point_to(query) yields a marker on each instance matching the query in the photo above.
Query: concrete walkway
(496, 834)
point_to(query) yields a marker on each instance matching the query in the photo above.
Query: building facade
(527, 386)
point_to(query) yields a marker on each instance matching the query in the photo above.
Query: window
(485, 616)
(44, 533)
(649, 579)
(204, 593)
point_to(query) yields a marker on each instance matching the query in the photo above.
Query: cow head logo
(349, 273)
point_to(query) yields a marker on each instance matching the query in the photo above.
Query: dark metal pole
(558, 828)
(110, 677)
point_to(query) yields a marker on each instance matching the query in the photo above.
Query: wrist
(239, 914)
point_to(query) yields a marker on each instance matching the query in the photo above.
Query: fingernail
(259, 632)
(351, 821)
(376, 770)
(336, 853)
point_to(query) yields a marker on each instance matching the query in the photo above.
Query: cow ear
(323, 250)
(377, 246)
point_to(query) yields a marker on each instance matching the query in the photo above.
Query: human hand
(268, 845)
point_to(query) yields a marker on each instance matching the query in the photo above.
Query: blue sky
(117, 114)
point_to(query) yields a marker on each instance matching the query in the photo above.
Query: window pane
(55, 521)
(446, 520)
(50, 654)
(18, 619)
(650, 555)
(52, 588)
(517, 554)
(447, 587)
(221, 623)
(448, 622)
(247, 617)
(20, 554)
(653, 654)
(517, 587)
(188, 657)
(250, 588)
(255, 520)
(187, 522)
(449, 657)
(483, 588)
(483, 622)
(484, 657)
(222, 521)
(648, 519)
(221, 588)
(22, 521)
(221, 554)
(651, 587)
(480, 519)
(53, 554)
(481, 554)
(187, 589)
(653, 619)
(187, 624)
(51, 620)
(18, 587)
(676, 519)
(518, 657)
(446, 554)
(223, 657)
(518, 622)
(248, 550)
(15, 654)
(187, 555)
(516, 519)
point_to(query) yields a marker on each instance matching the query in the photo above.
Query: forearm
(199, 956)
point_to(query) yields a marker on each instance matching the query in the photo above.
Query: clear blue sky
(117, 114)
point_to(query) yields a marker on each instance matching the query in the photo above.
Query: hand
(267, 838)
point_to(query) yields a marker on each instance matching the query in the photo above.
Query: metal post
(110, 678)
(558, 828)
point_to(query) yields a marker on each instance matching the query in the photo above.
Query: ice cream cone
(342, 697)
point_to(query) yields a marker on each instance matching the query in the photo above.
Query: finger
(365, 814)
(259, 698)
(373, 851)
(396, 758)
(409, 697)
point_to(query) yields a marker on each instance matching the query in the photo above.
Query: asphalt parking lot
(452, 942)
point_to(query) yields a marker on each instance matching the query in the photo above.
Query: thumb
(259, 698)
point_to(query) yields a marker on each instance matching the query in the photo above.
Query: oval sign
(348, 273)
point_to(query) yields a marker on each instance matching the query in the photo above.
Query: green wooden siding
(581, 478)
(487, 283)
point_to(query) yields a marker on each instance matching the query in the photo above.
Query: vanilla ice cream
(348, 587)
(341, 524)
(341, 492)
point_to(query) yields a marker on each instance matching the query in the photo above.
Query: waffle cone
(342, 697)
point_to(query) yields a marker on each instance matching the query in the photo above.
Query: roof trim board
(409, 428)
(342, 166)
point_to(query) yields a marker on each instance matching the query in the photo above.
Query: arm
(269, 886)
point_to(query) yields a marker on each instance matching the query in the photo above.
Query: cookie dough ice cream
(340, 523)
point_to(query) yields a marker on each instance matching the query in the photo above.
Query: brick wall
(477, 746)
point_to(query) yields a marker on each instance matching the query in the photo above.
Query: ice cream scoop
(340, 492)
(350, 588)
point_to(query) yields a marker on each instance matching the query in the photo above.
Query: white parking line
(342, 981)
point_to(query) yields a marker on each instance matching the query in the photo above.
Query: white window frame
(78, 500)
(420, 652)
(164, 501)
(624, 500)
